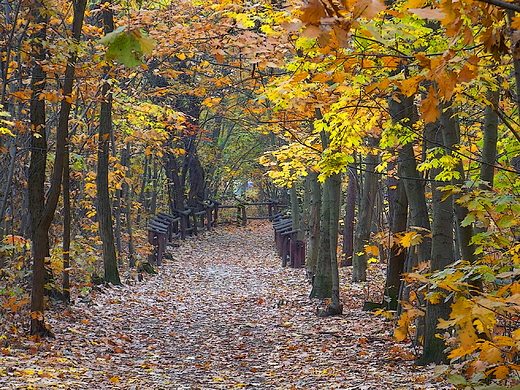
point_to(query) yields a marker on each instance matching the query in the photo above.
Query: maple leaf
(410, 86)
(127, 47)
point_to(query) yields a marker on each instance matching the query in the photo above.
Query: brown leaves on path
(222, 314)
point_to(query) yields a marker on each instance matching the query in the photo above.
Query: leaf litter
(221, 314)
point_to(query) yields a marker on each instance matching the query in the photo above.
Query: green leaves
(127, 47)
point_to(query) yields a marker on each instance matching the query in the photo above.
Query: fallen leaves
(224, 315)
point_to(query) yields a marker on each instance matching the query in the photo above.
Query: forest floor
(222, 314)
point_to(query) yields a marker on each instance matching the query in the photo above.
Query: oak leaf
(429, 107)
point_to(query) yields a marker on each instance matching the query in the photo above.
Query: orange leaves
(367, 9)
(13, 303)
(429, 13)
(430, 107)
(313, 12)
(411, 85)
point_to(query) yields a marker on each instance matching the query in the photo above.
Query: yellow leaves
(402, 330)
(414, 4)
(490, 353)
(210, 102)
(372, 249)
(408, 239)
(466, 336)
(515, 22)
(500, 372)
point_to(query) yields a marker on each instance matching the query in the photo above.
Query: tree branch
(503, 4)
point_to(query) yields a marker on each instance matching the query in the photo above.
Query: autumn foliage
(417, 101)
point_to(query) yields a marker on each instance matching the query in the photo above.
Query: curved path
(222, 314)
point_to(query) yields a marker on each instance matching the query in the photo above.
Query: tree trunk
(104, 212)
(314, 223)
(397, 258)
(365, 214)
(403, 112)
(197, 182)
(489, 150)
(442, 254)
(350, 217)
(322, 283)
(106, 232)
(152, 200)
(40, 236)
(175, 184)
(38, 162)
(142, 191)
(7, 188)
(295, 210)
(66, 228)
(117, 203)
(451, 138)
(334, 181)
(128, 208)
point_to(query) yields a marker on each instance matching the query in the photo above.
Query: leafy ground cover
(221, 314)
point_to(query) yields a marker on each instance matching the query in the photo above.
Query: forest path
(222, 314)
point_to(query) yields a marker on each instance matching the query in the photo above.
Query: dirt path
(222, 314)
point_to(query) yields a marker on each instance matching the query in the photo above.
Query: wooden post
(244, 215)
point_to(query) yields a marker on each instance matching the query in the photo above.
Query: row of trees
(92, 146)
(415, 104)
(407, 110)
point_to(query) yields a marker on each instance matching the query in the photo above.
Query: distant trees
(119, 134)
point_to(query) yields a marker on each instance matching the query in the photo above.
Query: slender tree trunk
(364, 224)
(403, 112)
(314, 223)
(397, 258)
(38, 162)
(306, 207)
(66, 228)
(7, 188)
(295, 210)
(335, 307)
(104, 212)
(322, 284)
(489, 150)
(350, 217)
(154, 173)
(197, 183)
(36, 179)
(443, 254)
(128, 207)
(175, 183)
(142, 191)
(451, 138)
(40, 236)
